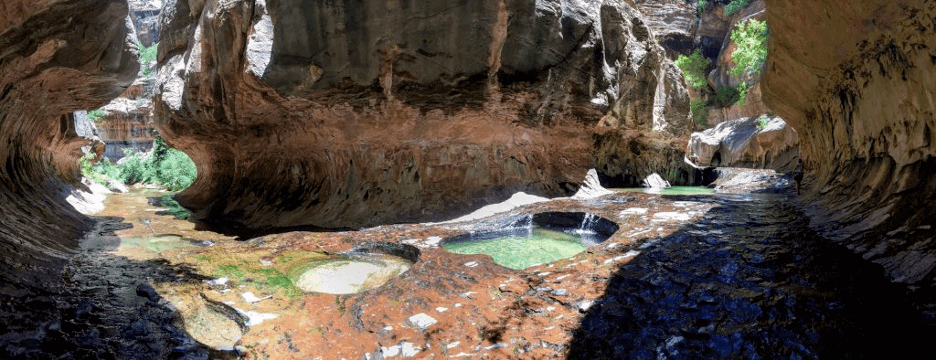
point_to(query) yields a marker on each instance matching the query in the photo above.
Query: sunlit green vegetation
(693, 68)
(751, 38)
(735, 5)
(164, 166)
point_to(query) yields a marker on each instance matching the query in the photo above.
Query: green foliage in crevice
(735, 5)
(751, 38)
(693, 68)
(698, 111)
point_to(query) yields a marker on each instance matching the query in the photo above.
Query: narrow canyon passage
(751, 280)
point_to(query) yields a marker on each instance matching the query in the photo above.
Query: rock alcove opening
(535, 238)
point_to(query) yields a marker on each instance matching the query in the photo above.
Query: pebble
(422, 321)
(452, 345)
(441, 309)
(471, 264)
(545, 273)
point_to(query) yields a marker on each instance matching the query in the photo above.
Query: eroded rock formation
(858, 82)
(336, 115)
(57, 57)
(754, 142)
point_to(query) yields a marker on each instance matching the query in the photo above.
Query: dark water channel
(750, 281)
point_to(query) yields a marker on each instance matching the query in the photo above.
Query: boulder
(655, 182)
(306, 112)
(591, 188)
(755, 142)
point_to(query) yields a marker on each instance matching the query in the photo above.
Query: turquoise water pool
(522, 250)
(675, 190)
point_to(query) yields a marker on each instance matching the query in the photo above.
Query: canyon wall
(858, 82)
(341, 114)
(55, 57)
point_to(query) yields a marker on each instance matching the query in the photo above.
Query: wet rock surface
(749, 280)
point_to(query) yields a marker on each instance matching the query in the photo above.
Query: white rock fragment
(390, 351)
(388, 328)
(471, 264)
(254, 318)
(458, 305)
(452, 345)
(410, 241)
(250, 298)
(671, 216)
(422, 321)
(441, 309)
(467, 295)
(408, 350)
(634, 211)
(432, 241)
(545, 273)
(265, 262)
(217, 282)
(584, 305)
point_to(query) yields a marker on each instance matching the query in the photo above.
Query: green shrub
(699, 115)
(147, 54)
(735, 5)
(166, 167)
(95, 115)
(700, 5)
(762, 122)
(724, 97)
(693, 68)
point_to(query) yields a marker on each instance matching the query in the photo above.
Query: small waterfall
(527, 223)
(588, 223)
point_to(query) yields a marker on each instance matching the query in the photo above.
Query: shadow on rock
(100, 306)
(750, 280)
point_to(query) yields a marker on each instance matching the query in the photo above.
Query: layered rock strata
(332, 115)
(754, 142)
(55, 58)
(858, 82)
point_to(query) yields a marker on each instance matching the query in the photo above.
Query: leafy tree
(735, 5)
(751, 38)
(693, 68)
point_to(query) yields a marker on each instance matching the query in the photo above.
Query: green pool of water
(522, 251)
(675, 190)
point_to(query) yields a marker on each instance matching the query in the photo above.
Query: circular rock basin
(358, 270)
(536, 239)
